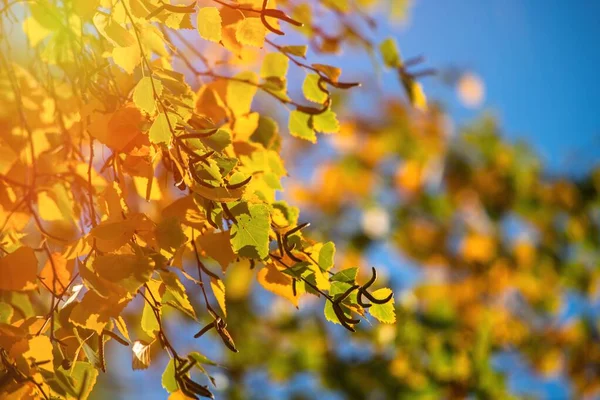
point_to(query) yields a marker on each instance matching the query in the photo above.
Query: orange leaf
(18, 270)
(57, 272)
(178, 395)
(119, 129)
(277, 282)
(217, 246)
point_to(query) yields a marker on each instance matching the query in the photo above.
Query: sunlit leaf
(168, 377)
(209, 23)
(385, 313)
(140, 355)
(250, 235)
(299, 126)
(326, 122)
(277, 282)
(390, 53)
(218, 289)
(251, 32)
(311, 89)
(144, 94)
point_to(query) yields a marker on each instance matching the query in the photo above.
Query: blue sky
(538, 59)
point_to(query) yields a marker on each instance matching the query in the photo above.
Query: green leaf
(389, 52)
(326, 256)
(326, 122)
(22, 302)
(168, 377)
(160, 132)
(267, 133)
(81, 373)
(201, 358)
(385, 313)
(250, 236)
(218, 141)
(6, 313)
(143, 95)
(289, 213)
(311, 89)
(338, 288)
(299, 126)
(345, 275)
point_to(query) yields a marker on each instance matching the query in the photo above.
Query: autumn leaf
(299, 126)
(385, 313)
(57, 273)
(209, 23)
(144, 93)
(311, 89)
(217, 245)
(218, 289)
(251, 32)
(94, 311)
(277, 282)
(326, 122)
(250, 236)
(18, 270)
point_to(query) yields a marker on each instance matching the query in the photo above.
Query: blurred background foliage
(493, 260)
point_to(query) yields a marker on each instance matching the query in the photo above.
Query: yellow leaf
(245, 126)
(251, 32)
(277, 282)
(110, 236)
(143, 95)
(18, 270)
(35, 31)
(127, 57)
(219, 291)
(48, 209)
(146, 188)
(186, 211)
(209, 24)
(418, 98)
(85, 8)
(239, 95)
(36, 350)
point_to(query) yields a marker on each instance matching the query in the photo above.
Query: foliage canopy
(118, 173)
